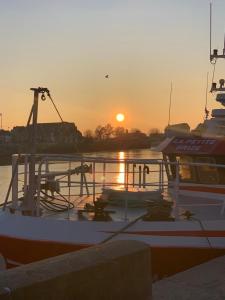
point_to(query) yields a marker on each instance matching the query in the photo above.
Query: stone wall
(117, 270)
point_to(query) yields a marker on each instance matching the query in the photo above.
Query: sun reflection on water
(120, 177)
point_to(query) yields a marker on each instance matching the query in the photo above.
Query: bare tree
(108, 131)
(88, 134)
(119, 131)
(100, 132)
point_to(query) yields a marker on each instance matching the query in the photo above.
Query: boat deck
(200, 208)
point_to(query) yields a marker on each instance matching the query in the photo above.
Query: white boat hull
(27, 239)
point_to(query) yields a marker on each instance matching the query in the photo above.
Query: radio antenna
(210, 30)
(171, 91)
(206, 97)
(224, 45)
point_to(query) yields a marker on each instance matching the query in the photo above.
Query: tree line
(108, 131)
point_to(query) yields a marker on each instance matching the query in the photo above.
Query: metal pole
(124, 175)
(69, 184)
(86, 184)
(162, 176)
(144, 177)
(134, 166)
(25, 175)
(15, 180)
(177, 183)
(93, 181)
(81, 180)
(127, 177)
(139, 168)
(210, 30)
(104, 170)
(126, 189)
(29, 200)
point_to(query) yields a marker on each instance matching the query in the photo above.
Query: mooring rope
(123, 228)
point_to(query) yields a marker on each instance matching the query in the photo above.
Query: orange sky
(69, 47)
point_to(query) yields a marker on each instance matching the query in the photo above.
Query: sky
(69, 46)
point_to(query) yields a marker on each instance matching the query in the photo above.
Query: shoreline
(6, 158)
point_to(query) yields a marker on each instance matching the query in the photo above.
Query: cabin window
(187, 172)
(207, 174)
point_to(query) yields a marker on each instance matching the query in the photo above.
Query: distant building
(48, 133)
(5, 137)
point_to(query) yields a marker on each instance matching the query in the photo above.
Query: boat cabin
(189, 150)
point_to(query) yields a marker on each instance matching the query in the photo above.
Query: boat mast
(29, 201)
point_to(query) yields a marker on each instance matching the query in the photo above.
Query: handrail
(156, 178)
(65, 157)
(75, 158)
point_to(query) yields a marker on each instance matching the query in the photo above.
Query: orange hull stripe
(184, 233)
(26, 251)
(204, 189)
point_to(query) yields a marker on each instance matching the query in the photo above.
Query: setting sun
(120, 117)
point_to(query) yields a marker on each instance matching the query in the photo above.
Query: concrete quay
(203, 282)
(116, 270)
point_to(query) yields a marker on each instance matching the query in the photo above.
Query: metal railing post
(69, 185)
(160, 177)
(162, 170)
(133, 174)
(39, 187)
(177, 182)
(93, 181)
(104, 172)
(81, 180)
(25, 185)
(127, 176)
(15, 180)
(139, 184)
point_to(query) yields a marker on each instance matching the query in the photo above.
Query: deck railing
(86, 176)
(79, 175)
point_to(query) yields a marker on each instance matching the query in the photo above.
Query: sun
(120, 117)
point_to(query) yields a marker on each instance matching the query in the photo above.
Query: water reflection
(121, 177)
